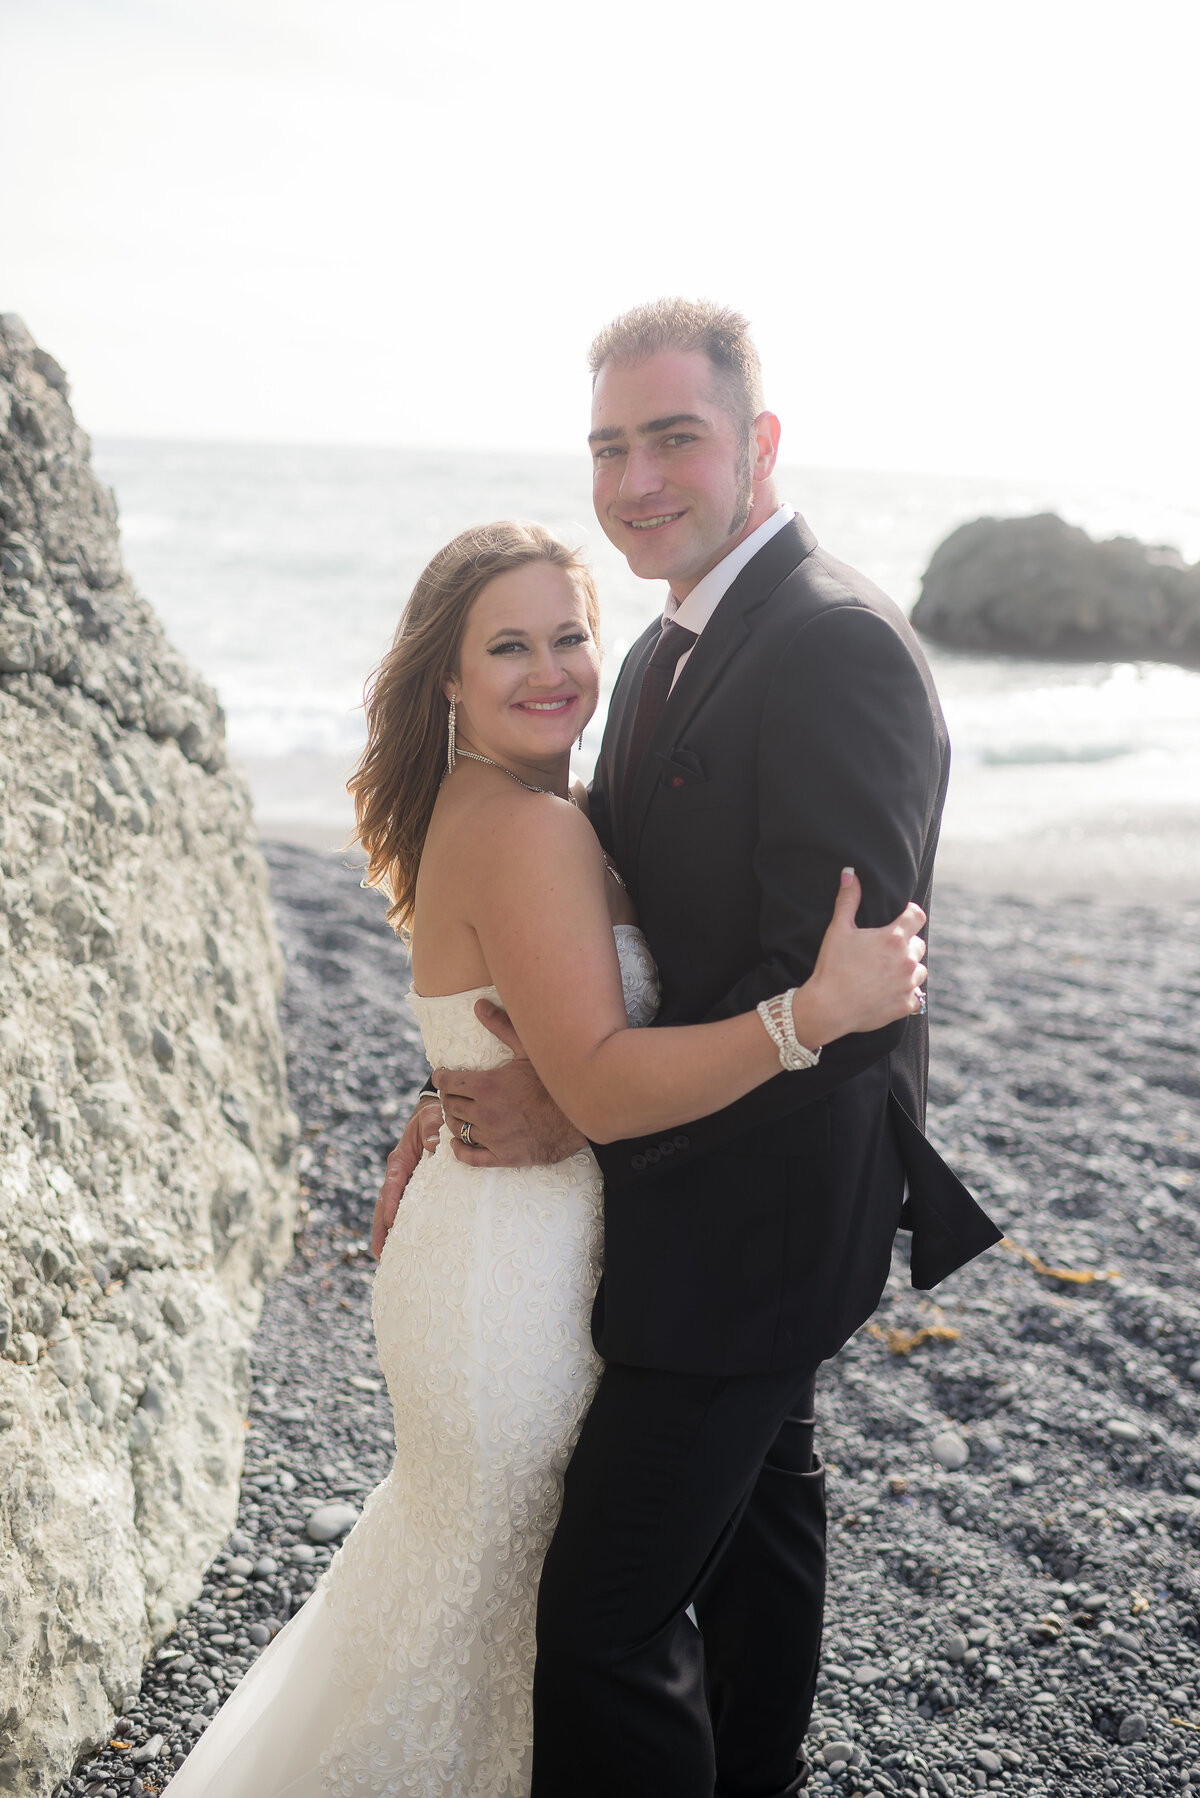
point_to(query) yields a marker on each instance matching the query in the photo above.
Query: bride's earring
(450, 739)
(580, 743)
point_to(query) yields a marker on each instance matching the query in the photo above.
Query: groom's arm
(848, 774)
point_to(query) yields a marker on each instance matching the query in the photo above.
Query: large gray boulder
(146, 1142)
(1039, 587)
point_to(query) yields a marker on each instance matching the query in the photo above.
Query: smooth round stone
(328, 1522)
(988, 1762)
(240, 1566)
(955, 1646)
(1021, 1474)
(837, 1751)
(150, 1751)
(1192, 1481)
(259, 1634)
(265, 1567)
(950, 1451)
(868, 1674)
(303, 1553)
(1121, 1431)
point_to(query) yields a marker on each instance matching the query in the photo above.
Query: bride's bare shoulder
(494, 830)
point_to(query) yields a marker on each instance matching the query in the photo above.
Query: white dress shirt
(694, 612)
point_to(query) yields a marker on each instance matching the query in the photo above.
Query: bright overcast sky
(964, 233)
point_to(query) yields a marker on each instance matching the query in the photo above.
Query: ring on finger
(464, 1133)
(922, 1002)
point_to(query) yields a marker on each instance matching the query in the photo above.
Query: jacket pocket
(696, 795)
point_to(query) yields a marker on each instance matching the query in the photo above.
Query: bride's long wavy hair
(396, 781)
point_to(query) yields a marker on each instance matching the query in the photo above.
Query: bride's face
(529, 669)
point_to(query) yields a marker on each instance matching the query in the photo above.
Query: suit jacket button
(637, 1163)
(683, 1142)
(652, 1155)
(666, 1146)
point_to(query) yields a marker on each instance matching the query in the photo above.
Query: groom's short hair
(718, 332)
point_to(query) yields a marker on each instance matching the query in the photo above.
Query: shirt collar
(694, 612)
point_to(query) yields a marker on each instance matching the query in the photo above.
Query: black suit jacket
(803, 734)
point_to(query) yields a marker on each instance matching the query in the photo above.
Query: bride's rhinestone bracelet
(780, 1026)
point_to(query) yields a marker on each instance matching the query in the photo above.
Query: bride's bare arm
(535, 877)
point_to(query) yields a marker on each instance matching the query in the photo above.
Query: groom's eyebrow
(609, 433)
(669, 424)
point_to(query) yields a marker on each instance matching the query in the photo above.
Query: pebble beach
(1014, 1460)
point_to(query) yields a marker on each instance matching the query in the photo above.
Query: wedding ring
(922, 1002)
(465, 1135)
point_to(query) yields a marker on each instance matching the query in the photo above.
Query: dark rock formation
(1039, 587)
(146, 1141)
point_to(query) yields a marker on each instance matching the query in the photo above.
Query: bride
(409, 1670)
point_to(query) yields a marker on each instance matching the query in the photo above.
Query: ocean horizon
(280, 572)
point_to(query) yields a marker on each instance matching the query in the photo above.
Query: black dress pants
(684, 1489)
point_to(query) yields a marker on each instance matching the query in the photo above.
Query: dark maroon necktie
(674, 642)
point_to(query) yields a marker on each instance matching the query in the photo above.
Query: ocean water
(281, 572)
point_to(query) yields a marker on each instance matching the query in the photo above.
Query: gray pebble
(259, 1634)
(149, 1751)
(868, 1674)
(1021, 1474)
(240, 1565)
(328, 1522)
(265, 1566)
(837, 1750)
(954, 1647)
(950, 1451)
(1132, 1728)
(1122, 1431)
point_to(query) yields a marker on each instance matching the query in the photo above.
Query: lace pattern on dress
(482, 1306)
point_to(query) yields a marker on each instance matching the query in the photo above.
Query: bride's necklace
(470, 756)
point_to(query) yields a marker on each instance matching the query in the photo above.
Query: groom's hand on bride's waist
(420, 1134)
(513, 1120)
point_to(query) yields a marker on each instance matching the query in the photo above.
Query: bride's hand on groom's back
(514, 1121)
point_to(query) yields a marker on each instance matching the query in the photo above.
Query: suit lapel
(720, 640)
(618, 729)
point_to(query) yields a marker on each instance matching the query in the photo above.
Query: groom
(777, 723)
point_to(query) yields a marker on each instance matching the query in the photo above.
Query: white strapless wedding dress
(410, 1669)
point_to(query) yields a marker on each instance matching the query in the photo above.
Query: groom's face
(672, 482)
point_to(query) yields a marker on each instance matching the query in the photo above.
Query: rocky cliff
(1039, 587)
(146, 1142)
